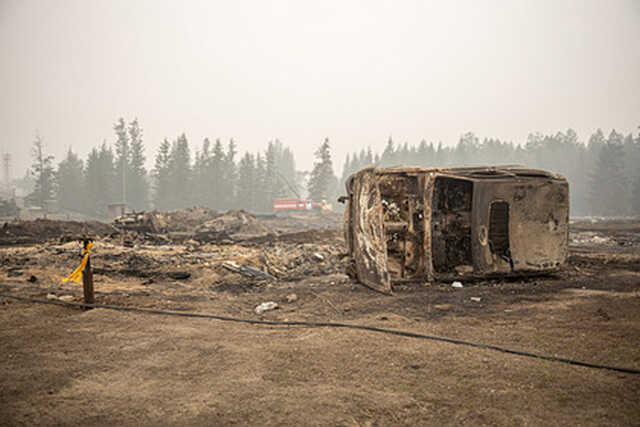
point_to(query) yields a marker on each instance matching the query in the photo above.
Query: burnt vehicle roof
(476, 172)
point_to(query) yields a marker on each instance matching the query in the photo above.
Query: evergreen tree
(631, 169)
(464, 152)
(99, 181)
(180, 195)
(229, 176)
(441, 155)
(571, 160)
(388, 157)
(369, 159)
(287, 170)
(405, 155)
(24, 185)
(42, 170)
(347, 167)
(263, 202)
(137, 187)
(272, 180)
(635, 201)
(322, 178)
(161, 176)
(91, 184)
(424, 156)
(70, 183)
(246, 188)
(201, 175)
(608, 184)
(594, 189)
(215, 176)
(123, 157)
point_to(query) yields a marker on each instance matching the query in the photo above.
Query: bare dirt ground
(64, 365)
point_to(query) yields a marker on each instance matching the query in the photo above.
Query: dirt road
(62, 365)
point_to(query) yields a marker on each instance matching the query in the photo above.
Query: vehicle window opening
(451, 225)
(499, 230)
(403, 222)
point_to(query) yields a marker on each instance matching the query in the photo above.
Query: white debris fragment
(66, 298)
(318, 256)
(587, 238)
(266, 306)
(476, 299)
(456, 285)
(292, 298)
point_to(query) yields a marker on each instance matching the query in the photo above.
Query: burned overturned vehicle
(409, 224)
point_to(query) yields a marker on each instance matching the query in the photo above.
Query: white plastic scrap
(266, 306)
(456, 285)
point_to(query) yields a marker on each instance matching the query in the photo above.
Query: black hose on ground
(329, 325)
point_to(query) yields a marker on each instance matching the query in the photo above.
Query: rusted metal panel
(419, 224)
(366, 240)
(538, 225)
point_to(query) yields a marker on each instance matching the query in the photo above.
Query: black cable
(331, 325)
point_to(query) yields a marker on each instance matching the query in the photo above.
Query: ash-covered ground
(63, 365)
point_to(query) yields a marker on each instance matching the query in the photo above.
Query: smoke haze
(356, 72)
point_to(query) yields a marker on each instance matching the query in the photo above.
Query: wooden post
(87, 280)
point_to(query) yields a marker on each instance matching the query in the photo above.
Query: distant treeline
(603, 174)
(211, 178)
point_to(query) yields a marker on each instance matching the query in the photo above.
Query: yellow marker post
(83, 274)
(76, 276)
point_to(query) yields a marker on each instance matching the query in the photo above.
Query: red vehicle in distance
(295, 204)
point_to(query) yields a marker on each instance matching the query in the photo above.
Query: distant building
(115, 210)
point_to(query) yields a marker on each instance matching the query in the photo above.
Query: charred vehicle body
(424, 224)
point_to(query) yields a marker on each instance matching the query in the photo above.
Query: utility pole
(124, 182)
(6, 167)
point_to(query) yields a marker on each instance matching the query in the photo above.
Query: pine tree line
(213, 178)
(109, 175)
(603, 174)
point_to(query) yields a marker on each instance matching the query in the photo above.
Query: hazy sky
(353, 71)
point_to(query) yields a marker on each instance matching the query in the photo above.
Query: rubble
(296, 221)
(192, 249)
(140, 222)
(233, 226)
(41, 230)
(184, 219)
(195, 225)
(247, 271)
(589, 238)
